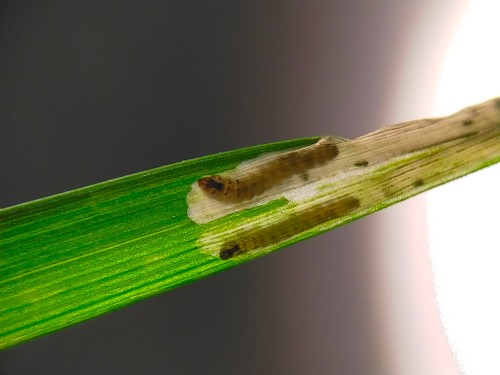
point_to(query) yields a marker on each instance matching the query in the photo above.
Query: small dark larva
(269, 173)
(288, 227)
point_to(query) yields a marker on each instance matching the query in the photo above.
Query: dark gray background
(94, 90)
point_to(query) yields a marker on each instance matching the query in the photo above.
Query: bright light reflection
(463, 219)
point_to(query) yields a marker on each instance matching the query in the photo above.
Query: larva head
(212, 184)
(227, 253)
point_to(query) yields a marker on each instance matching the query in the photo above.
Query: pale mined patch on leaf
(292, 174)
(269, 229)
(358, 177)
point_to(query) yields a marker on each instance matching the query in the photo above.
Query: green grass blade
(73, 256)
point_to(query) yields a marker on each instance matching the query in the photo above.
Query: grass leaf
(73, 256)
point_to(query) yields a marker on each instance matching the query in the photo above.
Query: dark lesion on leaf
(418, 182)
(228, 253)
(361, 163)
(467, 122)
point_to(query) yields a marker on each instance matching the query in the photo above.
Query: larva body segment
(256, 181)
(287, 228)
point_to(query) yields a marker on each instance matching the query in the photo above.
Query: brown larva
(269, 173)
(288, 227)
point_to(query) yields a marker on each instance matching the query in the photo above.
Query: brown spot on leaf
(361, 163)
(418, 182)
(229, 253)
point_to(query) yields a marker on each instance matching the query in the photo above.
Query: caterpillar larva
(273, 171)
(287, 228)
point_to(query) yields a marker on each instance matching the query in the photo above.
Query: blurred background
(95, 90)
